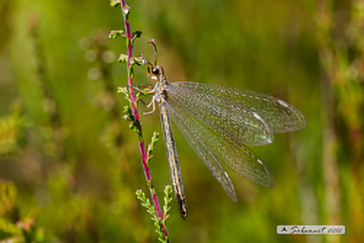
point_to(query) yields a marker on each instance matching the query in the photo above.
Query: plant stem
(147, 174)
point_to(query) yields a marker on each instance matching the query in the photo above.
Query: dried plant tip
(152, 41)
(136, 34)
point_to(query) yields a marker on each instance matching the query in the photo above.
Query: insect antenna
(152, 41)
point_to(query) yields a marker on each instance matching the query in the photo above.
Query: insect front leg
(146, 91)
(151, 103)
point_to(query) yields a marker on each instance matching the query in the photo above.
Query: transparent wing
(214, 146)
(203, 152)
(245, 115)
(238, 121)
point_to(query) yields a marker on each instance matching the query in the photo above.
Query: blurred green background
(70, 166)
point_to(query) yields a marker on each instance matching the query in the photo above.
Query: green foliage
(128, 112)
(8, 195)
(116, 33)
(23, 230)
(158, 223)
(133, 124)
(151, 147)
(114, 3)
(168, 191)
(8, 229)
(11, 133)
(123, 58)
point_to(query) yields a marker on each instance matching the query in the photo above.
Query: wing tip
(268, 182)
(233, 197)
(304, 122)
(301, 124)
(270, 185)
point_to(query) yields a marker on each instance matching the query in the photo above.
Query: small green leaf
(128, 114)
(116, 33)
(40, 235)
(133, 124)
(114, 3)
(124, 91)
(151, 147)
(123, 58)
(146, 203)
(155, 139)
(168, 191)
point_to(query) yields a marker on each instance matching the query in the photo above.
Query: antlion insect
(217, 122)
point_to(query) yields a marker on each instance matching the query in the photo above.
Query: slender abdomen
(173, 160)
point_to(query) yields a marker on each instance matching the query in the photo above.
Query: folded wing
(249, 117)
(215, 147)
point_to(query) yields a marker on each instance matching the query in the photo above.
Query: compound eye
(155, 71)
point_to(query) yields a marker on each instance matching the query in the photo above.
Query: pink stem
(136, 116)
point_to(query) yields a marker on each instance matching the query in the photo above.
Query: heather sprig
(131, 115)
